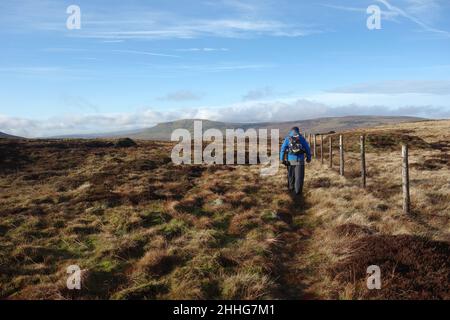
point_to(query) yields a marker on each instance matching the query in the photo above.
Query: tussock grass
(142, 228)
(364, 227)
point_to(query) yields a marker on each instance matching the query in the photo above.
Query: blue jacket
(294, 157)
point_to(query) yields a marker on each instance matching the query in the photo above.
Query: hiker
(295, 147)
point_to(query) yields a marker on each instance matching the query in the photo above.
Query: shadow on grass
(292, 242)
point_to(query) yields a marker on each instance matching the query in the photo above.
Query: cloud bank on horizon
(255, 111)
(134, 65)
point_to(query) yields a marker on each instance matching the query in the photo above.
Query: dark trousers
(296, 176)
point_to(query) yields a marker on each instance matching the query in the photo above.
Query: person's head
(295, 130)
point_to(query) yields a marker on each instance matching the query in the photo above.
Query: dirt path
(293, 238)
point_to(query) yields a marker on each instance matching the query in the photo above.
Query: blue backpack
(295, 145)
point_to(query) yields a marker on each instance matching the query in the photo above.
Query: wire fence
(320, 156)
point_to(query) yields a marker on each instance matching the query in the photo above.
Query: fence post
(315, 143)
(363, 160)
(405, 180)
(321, 148)
(341, 155)
(330, 141)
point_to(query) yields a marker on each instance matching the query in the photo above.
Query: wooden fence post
(330, 141)
(315, 143)
(405, 180)
(363, 160)
(341, 155)
(321, 148)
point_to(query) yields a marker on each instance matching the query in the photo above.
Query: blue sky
(136, 63)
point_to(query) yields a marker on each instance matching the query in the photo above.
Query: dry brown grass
(363, 227)
(142, 228)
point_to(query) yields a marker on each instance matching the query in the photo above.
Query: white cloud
(437, 87)
(190, 29)
(180, 96)
(113, 41)
(241, 6)
(210, 68)
(146, 53)
(229, 19)
(391, 101)
(257, 94)
(323, 105)
(203, 49)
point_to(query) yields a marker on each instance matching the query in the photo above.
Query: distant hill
(115, 134)
(8, 136)
(163, 131)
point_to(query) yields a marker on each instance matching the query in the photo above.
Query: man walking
(295, 147)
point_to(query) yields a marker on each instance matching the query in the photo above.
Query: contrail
(147, 53)
(412, 18)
